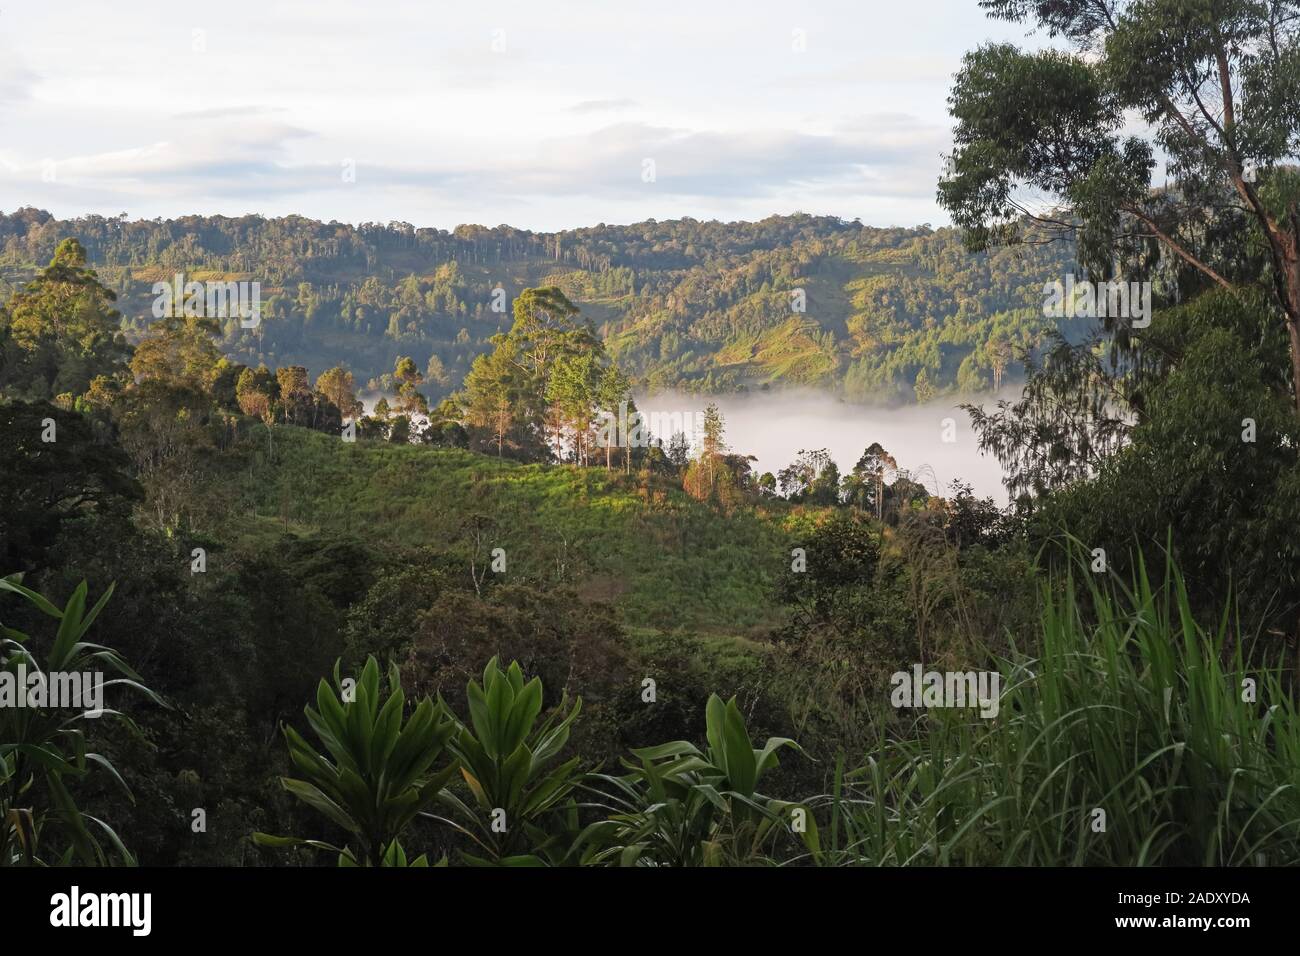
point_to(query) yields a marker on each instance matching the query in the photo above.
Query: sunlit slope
(664, 558)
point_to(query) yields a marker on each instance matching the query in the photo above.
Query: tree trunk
(1292, 281)
(1293, 330)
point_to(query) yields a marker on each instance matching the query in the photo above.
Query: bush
(1131, 709)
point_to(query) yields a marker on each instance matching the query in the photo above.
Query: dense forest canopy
(893, 314)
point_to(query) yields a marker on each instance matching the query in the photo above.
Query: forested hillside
(484, 620)
(892, 314)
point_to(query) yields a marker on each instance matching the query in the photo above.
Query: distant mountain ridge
(892, 314)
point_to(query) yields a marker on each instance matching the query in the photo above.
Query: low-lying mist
(774, 426)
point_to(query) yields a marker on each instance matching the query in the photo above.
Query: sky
(544, 115)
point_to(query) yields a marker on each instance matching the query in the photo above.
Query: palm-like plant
(377, 775)
(42, 750)
(503, 754)
(680, 807)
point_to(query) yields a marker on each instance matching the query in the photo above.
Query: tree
(825, 488)
(435, 372)
(707, 477)
(873, 464)
(257, 393)
(1211, 468)
(842, 557)
(444, 427)
(545, 326)
(903, 495)
(679, 450)
(500, 403)
(1215, 81)
(1073, 413)
(295, 394)
(399, 430)
(225, 382)
(502, 418)
(572, 392)
(407, 378)
(47, 487)
(1000, 355)
(612, 390)
(338, 387)
(509, 390)
(714, 424)
(974, 521)
(924, 390)
(162, 426)
(798, 480)
(178, 351)
(60, 331)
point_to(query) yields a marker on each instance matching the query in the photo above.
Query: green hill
(707, 306)
(665, 559)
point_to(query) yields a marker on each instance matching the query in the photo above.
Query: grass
(1131, 708)
(1129, 734)
(665, 559)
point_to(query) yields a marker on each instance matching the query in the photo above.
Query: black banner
(341, 905)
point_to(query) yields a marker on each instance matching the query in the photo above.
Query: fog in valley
(774, 426)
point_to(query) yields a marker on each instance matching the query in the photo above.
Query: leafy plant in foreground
(503, 754)
(377, 775)
(678, 806)
(42, 751)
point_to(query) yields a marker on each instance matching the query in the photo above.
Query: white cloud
(604, 106)
(500, 112)
(16, 80)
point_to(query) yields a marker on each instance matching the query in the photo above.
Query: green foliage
(841, 553)
(43, 753)
(1196, 194)
(377, 773)
(1217, 436)
(1073, 413)
(560, 527)
(947, 584)
(679, 806)
(319, 547)
(1130, 707)
(49, 489)
(61, 331)
(178, 350)
(701, 306)
(503, 753)
(813, 478)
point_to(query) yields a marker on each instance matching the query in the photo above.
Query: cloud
(603, 106)
(897, 154)
(16, 80)
(228, 153)
(884, 69)
(252, 156)
(887, 155)
(496, 63)
(228, 112)
(495, 110)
